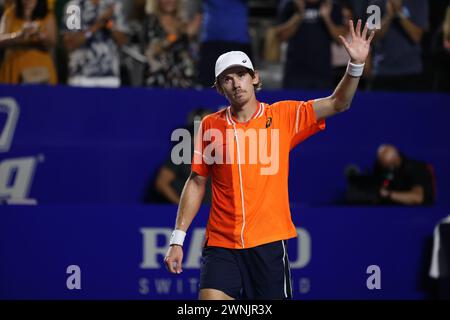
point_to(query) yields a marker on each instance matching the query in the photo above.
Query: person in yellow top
(28, 32)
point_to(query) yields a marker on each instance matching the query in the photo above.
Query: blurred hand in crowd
(394, 7)
(325, 9)
(300, 6)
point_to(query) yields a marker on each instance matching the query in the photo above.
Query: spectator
(6, 4)
(309, 26)
(397, 63)
(441, 55)
(224, 28)
(94, 51)
(168, 46)
(28, 32)
(133, 62)
(395, 179)
(171, 178)
(339, 56)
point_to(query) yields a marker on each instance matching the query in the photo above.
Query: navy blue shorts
(260, 272)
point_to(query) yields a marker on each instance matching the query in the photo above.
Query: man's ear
(255, 79)
(219, 89)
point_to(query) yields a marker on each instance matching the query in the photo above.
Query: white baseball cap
(232, 59)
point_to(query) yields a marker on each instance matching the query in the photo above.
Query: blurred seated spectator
(397, 62)
(395, 179)
(28, 33)
(94, 50)
(168, 46)
(441, 55)
(309, 26)
(171, 178)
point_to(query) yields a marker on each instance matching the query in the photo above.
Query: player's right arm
(191, 199)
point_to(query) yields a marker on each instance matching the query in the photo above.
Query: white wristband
(355, 70)
(177, 237)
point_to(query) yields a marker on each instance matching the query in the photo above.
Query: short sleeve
(422, 174)
(198, 164)
(301, 121)
(418, 174)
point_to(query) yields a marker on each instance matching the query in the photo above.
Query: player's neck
(245, 112)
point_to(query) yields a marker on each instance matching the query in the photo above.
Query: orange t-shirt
(249, 166)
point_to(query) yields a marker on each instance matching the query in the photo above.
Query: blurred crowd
(174, 43)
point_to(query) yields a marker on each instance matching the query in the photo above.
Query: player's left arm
(358, 50)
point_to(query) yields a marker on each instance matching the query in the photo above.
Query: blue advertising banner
(116, 252)
(75, 166)
(63, 145)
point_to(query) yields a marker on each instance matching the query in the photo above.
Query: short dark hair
(257, 86)
(39, 12)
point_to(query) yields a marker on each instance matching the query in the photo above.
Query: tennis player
(245, 149)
